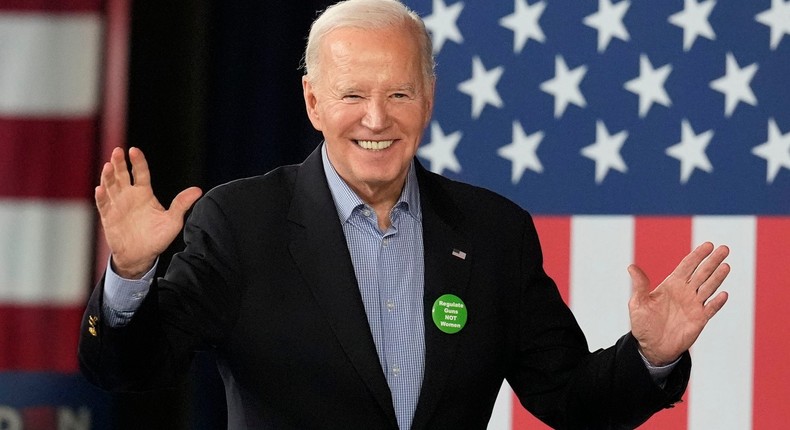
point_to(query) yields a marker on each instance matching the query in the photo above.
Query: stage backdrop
(634, 131)
(51, 74)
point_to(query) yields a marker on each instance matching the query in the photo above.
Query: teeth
(375, 144)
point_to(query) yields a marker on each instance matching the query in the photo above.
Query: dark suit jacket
(267, 281)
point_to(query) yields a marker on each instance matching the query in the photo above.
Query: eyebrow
(397, 87)
(405, 87)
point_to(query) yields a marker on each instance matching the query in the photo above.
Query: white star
(735, 85)
(482, 86)
(778, 18)
(694, 20)
(565, 86)
(522, 152)
(609, 22)
(650, 85)
(524, 23)
(776, 151)
(606, 151)
(690, 151)
(441, 150)
(441, 24)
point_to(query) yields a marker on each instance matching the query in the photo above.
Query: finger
(711, 264)
(140, 171)
(713, 282)
(715, 304)
(640, 284)
(183, 201)
(120, 170)
(107, 176)
(689, 264)
(100, 195)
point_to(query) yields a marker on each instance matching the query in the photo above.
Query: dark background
(214, 95)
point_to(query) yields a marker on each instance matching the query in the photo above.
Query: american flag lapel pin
(458, 253)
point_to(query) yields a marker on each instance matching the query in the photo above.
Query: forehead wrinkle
(340, 55)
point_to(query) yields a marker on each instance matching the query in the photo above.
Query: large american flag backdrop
(633, 131)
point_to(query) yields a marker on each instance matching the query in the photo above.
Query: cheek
(415, 114)
(339, 117)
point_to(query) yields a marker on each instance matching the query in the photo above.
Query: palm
(136, 226)
(667, 320)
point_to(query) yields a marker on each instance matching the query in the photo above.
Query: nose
(377, 117)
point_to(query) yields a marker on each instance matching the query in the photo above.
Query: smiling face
(372, 102)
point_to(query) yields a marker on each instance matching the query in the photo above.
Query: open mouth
(375, 145)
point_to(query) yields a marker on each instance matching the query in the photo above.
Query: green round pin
(449, 313)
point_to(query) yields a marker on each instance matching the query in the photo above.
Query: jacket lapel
(319, 248)
(445, 273)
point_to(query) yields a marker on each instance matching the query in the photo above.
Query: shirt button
(138, 296)
(396, 370)
(390, 305)
(385, 242)
(366, 212)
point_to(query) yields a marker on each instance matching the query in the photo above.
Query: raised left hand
(668, 320)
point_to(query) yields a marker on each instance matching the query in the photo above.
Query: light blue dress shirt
(390, 270)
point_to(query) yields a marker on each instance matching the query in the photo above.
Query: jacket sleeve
(563, 384)
(191, 308)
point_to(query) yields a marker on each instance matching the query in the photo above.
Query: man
(358, 290)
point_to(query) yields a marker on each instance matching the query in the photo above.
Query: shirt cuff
(122, 297)
(659, 373)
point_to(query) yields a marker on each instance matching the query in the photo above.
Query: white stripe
(501, 417)
(602, 247)
(49, 64)
(44, 252)
(721, 379)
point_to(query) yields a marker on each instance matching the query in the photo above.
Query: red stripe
(660, 243)
(42, 158)
(555, 240)
(39, 338)
(51, 5)
(771, 348)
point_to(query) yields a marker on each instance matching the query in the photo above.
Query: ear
(310, 103)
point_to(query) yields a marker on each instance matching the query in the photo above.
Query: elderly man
(358, 290)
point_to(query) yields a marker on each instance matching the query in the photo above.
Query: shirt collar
(346, 200)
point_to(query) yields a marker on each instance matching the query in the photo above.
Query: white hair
(368, 15)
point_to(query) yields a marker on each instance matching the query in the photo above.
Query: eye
(352, 97)
(400, 96)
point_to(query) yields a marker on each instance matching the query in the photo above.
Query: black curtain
(214, 95)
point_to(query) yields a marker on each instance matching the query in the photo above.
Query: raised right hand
(136, 226)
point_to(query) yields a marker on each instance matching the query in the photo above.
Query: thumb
(184, 200)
